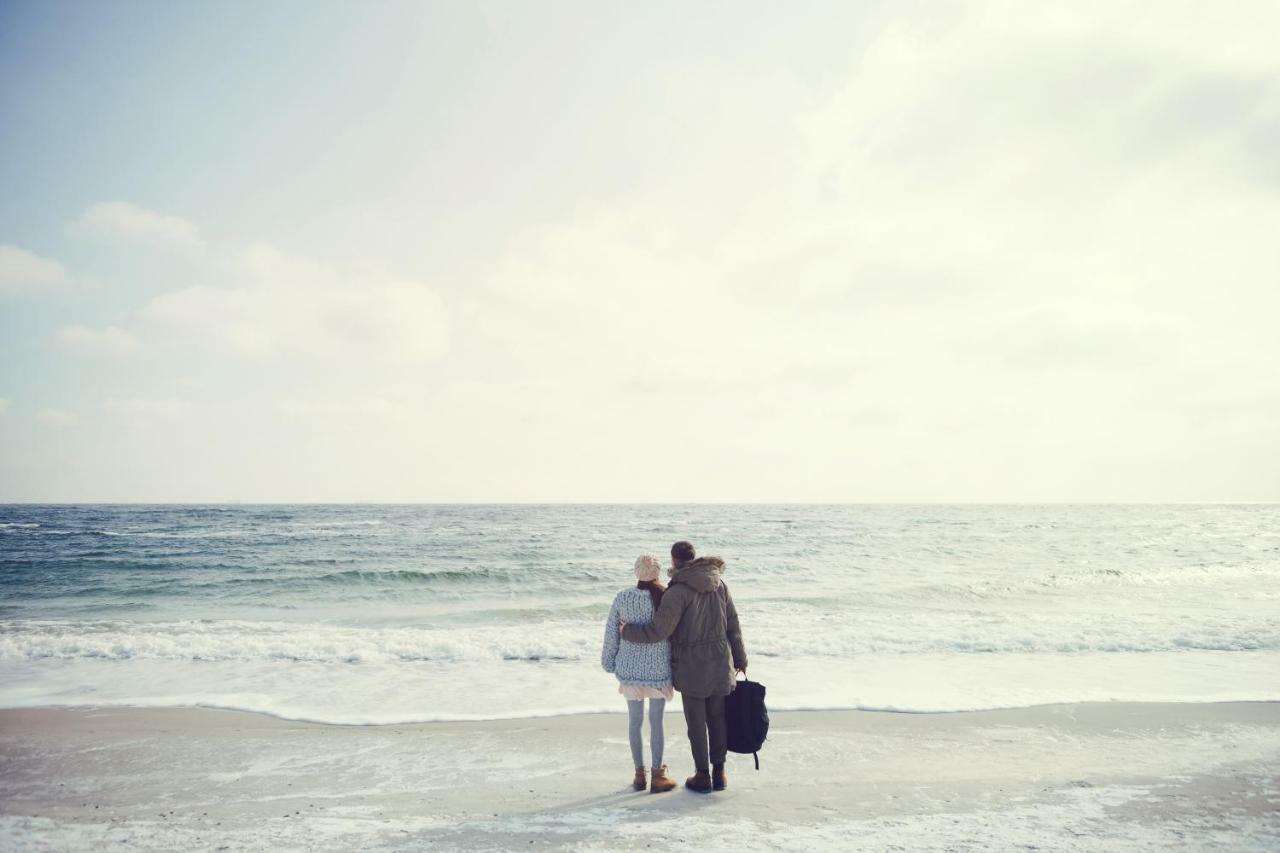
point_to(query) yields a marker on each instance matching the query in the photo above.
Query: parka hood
(701, 575)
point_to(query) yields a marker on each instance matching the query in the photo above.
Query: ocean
(367, 614)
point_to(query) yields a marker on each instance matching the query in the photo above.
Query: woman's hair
(656, 589)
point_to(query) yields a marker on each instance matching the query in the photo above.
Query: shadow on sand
(568, 823)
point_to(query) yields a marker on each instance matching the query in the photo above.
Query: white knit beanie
(647, 567)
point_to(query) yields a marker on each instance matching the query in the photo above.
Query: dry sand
(1095, 777)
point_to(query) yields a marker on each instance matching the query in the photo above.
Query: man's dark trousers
(705, 716)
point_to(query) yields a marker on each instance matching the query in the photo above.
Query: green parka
(697, 613)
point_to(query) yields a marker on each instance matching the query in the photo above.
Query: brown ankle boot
(718, 779)
(661, 782)
(638, 783)
(700, 782)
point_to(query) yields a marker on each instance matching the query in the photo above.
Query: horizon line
(232, 503)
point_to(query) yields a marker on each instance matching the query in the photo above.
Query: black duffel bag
(746, 718)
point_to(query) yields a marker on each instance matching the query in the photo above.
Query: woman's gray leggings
(636, 710)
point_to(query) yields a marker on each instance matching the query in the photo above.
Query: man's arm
(663, 624)
(734, 633)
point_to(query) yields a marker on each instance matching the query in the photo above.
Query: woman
(643, 670)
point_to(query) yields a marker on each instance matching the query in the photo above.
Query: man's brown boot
(638, 783)
(700, 782)
(718, 779)
(661, 782)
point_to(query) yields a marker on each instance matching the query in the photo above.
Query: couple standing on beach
(700, 659)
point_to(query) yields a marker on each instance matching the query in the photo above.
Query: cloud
(999, 229)
(56, 417)
(21, 270)
(141, 412)
(285, 307)
(358, 406)
(118, 220)
(111, 339)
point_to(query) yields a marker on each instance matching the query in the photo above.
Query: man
(697, 613)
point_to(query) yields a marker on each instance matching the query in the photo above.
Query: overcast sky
(640, 252)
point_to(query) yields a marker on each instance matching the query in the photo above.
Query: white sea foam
(238, 640)
(785, 634)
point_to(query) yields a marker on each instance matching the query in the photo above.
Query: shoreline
(1081, 776)
(673, 707)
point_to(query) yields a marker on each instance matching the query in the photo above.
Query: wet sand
(1099, 776)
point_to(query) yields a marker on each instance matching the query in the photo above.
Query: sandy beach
(1104, 776)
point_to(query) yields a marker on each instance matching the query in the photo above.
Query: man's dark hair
(682, 552)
